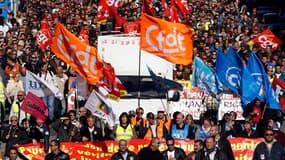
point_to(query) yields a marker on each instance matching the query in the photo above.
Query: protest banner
(230, 103)
(243, 148)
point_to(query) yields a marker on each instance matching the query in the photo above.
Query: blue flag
(205, 78)
(266, 92)
(163, 84)
(228, 69)
(235, 75)
(250, 89)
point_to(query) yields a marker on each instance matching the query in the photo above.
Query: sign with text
(103, 150)
(230, 103)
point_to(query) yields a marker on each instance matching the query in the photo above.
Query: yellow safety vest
(2, 94)
(122, 133)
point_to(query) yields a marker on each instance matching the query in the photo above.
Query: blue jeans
(63, 105)
(49, 101)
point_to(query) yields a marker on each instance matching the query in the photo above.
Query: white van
(130, 64)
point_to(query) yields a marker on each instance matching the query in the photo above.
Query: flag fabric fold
(205, 78)
(170, 41)
(163, 84)
(266, 92)
(37, 86)
(81, 57)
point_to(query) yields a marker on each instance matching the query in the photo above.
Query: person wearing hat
(270, 148)
(66, 131)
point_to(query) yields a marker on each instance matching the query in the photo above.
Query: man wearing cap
(269, 149)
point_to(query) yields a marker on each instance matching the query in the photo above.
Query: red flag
(166, 8)
(267, 38)
(83, 35)
(182, 6)
(103, 11)
(148, 7)
(132, 27)
(44, 36)
(111, 83)
(35, 106)
(174, 17)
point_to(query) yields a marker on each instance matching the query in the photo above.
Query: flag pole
(139, 80)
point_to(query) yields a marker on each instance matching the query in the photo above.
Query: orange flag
(81, 57)
(44, 37)
(171, 41)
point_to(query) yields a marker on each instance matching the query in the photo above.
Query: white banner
(100, 107)
(230, 103)
(39, 87)
(191, 102)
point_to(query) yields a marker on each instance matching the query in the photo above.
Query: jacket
(60, 156)
(179, 154)
(118, 156)
(219, 155)
(17, 136)
(261, 152)
(97, 133)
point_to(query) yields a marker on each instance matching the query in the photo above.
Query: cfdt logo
(167, 42)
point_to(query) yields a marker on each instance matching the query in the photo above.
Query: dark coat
(179, 154)
(60, 156)
(218, 156)
(148, 154)
(97, 133)
(17, 136)
(225, 146)
(118, 156)
(277, 152)
(64, 131)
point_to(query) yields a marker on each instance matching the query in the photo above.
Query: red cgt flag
(44, 36)
(111, 83)
(35, 106)
(267, 38)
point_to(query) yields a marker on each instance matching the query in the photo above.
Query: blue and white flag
(205, 78)
(163, 84)
(266, 92)
(228, 69)
(250, 89)
(39, 87)
(235, 75)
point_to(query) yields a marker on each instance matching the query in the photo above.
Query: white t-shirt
(170, 154)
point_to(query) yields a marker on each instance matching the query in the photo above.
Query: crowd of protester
(215, 23)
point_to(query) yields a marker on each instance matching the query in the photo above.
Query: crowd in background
(215, 23)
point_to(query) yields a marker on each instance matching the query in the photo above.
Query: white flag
(100, 107)
(39, 87)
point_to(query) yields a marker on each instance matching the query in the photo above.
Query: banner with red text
(242, 148)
